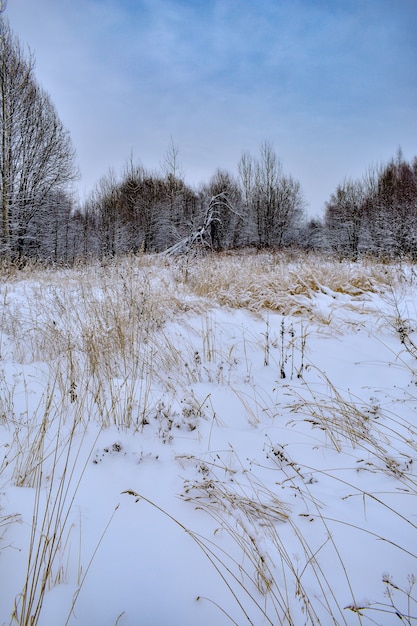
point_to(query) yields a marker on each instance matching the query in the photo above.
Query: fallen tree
(207, 232)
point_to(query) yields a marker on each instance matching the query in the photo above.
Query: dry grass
(101, 330)
(285, 285)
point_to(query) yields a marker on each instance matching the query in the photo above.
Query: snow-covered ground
(208, 441)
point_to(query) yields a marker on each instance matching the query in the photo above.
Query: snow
(202, 463)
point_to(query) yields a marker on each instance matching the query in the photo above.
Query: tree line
(376, 214)
(154, 211)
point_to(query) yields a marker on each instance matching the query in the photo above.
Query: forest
(259, 206)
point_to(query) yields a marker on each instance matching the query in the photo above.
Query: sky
(330, 84)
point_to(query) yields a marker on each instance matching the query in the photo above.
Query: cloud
(331, 84)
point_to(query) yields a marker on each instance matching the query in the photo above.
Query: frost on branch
(207, 234)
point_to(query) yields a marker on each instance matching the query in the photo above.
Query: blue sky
(332, 84)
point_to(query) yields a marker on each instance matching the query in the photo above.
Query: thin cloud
(332, 85)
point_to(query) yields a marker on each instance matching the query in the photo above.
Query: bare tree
(102, 211)
(344, 218)
(37, 157)
(173, 213)
(289, 211)
(274, 201)
(171, 166)
(267, 176)
(246, 170)
(377, 213)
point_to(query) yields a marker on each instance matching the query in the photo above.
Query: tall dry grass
(282, 283)
(96, 336)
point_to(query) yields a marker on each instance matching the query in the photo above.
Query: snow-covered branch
(204, 233)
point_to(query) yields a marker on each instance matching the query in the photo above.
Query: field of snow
(222, 440)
